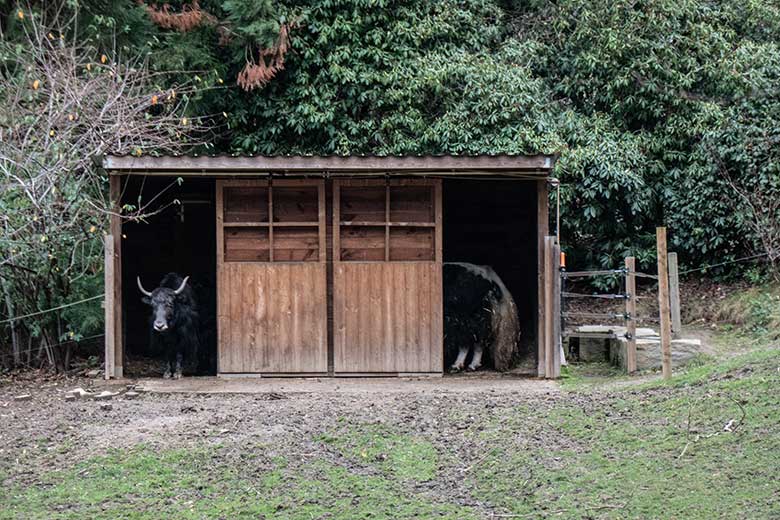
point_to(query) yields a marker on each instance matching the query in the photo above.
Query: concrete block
(648, 352)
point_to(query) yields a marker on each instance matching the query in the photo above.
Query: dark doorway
(178, 236)
(494, 223)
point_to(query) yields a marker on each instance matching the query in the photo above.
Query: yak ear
(146, 300)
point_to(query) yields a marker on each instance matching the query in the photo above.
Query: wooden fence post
(631, 312)
(556, 336)
(674, 295)
(663, 303)
(108, 306)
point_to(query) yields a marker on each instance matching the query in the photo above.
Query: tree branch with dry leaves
(65, 106)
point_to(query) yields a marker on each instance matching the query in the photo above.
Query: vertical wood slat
(631, 312)
(115, 289)
(663, 303)
(542, 224)
(108, 305)
(270, 221)
(549, 287)
(556, 309)
(674, 295)
(221, 325)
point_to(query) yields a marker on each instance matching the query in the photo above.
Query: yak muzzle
(160, 326)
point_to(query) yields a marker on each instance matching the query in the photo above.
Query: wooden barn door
(387, 292)
(271, 277)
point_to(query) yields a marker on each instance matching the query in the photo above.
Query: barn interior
(485, 222)
(493, 223)
(177, 236)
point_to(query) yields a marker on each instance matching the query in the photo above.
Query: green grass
(399, 456)
(143, 483)
(624, 455)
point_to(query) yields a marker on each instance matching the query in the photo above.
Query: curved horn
(181, 287)
(138, 279)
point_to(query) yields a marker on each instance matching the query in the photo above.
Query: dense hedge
(650, 104)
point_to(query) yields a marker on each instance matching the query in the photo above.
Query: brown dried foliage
(256, 75)
(188, 18)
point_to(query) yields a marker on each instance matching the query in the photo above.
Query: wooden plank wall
(388, 317)
(272, 318)
(272, 288)
(387, 277)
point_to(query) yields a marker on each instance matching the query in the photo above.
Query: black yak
(174, 321)
(479, 314)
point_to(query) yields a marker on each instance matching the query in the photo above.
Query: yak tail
(505, 325)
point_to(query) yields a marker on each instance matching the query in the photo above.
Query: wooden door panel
(387, 276)
(387, 317)
(271, 278)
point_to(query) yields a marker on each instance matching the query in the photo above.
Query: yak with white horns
(174, 322)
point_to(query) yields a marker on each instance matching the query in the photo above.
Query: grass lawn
(704, 445)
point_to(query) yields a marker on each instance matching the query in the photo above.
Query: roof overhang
(354, 165)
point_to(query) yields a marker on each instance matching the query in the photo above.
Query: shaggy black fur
(179, 312)
(467, 311)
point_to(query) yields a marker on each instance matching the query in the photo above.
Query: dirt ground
(287, 415)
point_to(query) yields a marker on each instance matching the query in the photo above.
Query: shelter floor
(460, 383)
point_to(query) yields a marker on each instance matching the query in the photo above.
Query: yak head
(163, 301)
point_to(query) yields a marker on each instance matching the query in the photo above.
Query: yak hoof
(177, 375)
(167, 374)
(454, 369)
(473, 368)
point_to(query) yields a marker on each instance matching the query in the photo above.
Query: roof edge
(223, 164)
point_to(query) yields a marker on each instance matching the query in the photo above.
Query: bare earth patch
(474, 446)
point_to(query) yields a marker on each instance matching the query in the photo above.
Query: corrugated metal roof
(318, 164)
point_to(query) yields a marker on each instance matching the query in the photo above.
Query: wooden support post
(674, 295)
(108, 305)
(631, 313)
(663, 303)
(542, 224)
(552, 313)
(556, 309)
(115, 183)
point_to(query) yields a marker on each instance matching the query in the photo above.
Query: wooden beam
(542, 224)
(549, 301)
(674, 295)
(555, 275)
(229, 165)
(115, 188)
(631, 312)
(108, 306)
(663, 304)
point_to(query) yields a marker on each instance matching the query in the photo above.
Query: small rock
(105, 396)
(23, 397)
(131, 394)
(106, 406)
(70, 397)
(131, 386)
(93, 373)
(139, 389)
(80, 393)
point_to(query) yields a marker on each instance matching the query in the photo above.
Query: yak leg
(169, 364)
(460, 361)
(179, 358)
(476, 359)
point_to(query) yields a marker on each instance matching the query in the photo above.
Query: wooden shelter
(327, 265)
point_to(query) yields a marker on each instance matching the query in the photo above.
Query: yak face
(163, 301)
